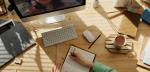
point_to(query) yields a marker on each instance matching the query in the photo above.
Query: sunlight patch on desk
(33, 61)
(97, 19)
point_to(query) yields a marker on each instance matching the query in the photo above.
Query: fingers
(73, 57)
(59, 67)
(53, 69)
(56, 68)
(75, 54)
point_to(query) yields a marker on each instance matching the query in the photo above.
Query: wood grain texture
(40, 59)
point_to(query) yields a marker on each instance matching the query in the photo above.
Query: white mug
(120, 41)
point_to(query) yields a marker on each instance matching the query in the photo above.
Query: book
(14, 40)
(146, 54)
(72, 66)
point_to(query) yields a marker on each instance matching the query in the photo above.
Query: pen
(94, 42)
(73, 52)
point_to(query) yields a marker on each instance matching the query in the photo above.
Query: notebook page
(146, 55)
(72, 66)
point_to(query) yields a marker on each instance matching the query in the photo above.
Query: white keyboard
(59, 35)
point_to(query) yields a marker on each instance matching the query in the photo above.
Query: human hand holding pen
(76, 56)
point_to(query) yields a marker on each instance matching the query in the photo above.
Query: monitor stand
(55, 19)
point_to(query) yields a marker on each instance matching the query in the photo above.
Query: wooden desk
(143, 38)
(40, 59)
(126, 25)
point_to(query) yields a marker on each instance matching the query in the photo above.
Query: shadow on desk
(143, 37)
(43, 59)
(133, 17)
(80, 41)
(121, 21)
(121, 62)
(40, 59)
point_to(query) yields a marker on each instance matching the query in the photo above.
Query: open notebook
(72, 66)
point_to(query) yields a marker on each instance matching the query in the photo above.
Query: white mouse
(89, 36)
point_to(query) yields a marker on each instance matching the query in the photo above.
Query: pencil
(94, 42)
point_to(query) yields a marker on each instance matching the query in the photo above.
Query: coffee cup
(120, 41)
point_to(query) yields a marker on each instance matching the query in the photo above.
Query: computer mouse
(89, 36)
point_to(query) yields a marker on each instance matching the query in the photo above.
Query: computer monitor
(32, 9)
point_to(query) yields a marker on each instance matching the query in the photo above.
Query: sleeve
(99, 67)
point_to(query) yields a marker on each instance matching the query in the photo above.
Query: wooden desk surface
(40, 59)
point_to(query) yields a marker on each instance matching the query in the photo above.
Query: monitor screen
(27, 8)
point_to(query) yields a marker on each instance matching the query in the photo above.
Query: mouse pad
(13, 41)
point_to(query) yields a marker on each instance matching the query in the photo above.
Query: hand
(56, 68)
(80, 59)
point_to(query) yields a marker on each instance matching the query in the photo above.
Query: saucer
(109, 45)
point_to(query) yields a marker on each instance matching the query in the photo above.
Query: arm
(81, 60)
(96, 66)
(99, 67)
